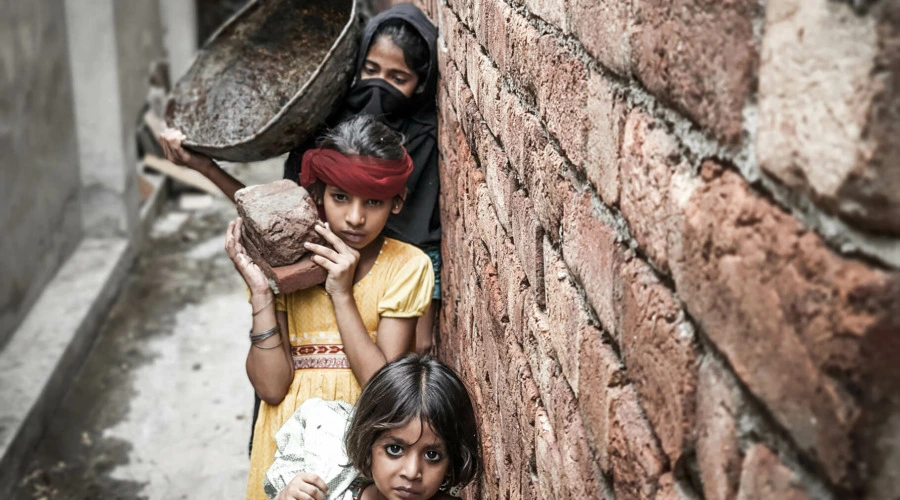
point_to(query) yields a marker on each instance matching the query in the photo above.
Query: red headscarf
(373, 178)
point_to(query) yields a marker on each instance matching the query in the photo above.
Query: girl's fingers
(314, 481)
(326, 264)
(322, 251)
(332, 238)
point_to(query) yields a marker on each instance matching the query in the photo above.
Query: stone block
(811, 333)
(764, 476)
(829, 118)
(528, 237)
(523, 54)
(606, 111)
(603, 29)
(699, 56)
(279, 218)
(660, 354)
(650, 159)
(719, 456)
(637, 461)
(596, 387)
(592, 253)
(562, 95)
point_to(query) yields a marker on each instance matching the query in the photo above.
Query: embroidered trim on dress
(319, 356)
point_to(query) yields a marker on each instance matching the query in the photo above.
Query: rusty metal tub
(267, 78)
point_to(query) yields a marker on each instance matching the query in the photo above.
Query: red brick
(484, 80)
(499, 177)
(523, 54)
(650, 155)
(513, 287)
(549, 462)
(811, 333)
(637, 461)
(491, 21)
(300, 275)
(547, 189)
(528, 236)
(764, 476)
(593, 255)
(700, 56)
(596, 388)
(671, 489)
(569, 321)
(659, 351)
(718, 454)
(831, 132)
(580, 467)
(602, 27)
(562, 95)
(606, 111)
(552, 11)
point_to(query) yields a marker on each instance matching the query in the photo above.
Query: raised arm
(395, 335)
(269, 364)
(171, 140)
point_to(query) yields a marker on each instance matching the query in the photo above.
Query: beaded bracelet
(259, 337)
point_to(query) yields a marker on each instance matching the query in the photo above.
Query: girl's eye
(339, 197)
(433, 456)
(375, 203)
(394, 450)
(400, 81)
(369, 70)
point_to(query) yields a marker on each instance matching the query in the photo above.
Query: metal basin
(267, 78)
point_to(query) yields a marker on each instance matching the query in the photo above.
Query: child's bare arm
(269, 365)
(171, 140)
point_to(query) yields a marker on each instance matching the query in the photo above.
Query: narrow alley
(162, 406)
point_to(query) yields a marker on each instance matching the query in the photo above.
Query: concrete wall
(75, 75)
(40, 219)
(671, 260)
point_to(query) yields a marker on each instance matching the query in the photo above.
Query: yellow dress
(399, 285)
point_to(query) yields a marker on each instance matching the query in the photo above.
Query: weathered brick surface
(699, 55)
(764, 476)
(650, 158)
(278, 219)
(827, 127)
(623, 315)
(637, 461)
(799, 324)
(603, 28)
(718, 452)
(605, 112)
(660, 355)
(592, 253)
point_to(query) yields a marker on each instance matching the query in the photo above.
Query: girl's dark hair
(423, 387)
(365, 136)
(415, 50)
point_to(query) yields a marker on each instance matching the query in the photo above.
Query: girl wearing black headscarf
(396, 81)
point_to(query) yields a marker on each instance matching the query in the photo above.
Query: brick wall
(671, 242)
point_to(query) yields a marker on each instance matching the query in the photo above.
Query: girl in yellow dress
(327, 341)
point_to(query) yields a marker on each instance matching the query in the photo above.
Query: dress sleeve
(280, 302)
(408, 295)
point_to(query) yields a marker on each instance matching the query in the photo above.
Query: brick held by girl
(327, 341)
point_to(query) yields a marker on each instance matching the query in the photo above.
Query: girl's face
(409, 462)
(356, 220)
(385, 60)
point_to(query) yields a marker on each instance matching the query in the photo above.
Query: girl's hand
(171, 140)
(304, 486)
(339, 262)
(252, 274)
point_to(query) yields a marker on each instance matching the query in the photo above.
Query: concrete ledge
(48, 348)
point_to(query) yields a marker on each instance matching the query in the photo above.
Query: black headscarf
(419, 222)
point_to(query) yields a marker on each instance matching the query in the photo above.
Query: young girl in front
(328, 341)
(413, 435)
